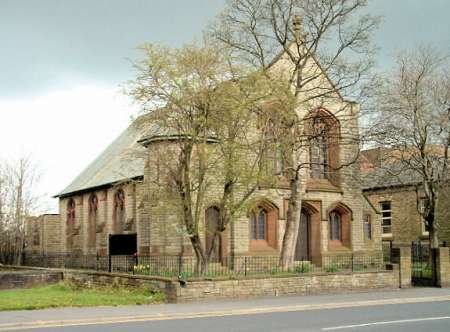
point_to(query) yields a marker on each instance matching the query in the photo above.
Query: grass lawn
(67, 295)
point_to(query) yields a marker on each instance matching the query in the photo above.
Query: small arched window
(119, 210)
(71, 215)
(258, 221)
(335, 226)
(93, 204)
(319, 151)
(92, 226)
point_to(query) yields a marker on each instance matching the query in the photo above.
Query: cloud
(63, 130)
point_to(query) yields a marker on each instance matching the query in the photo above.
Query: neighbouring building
(397, 199)
(115, 197)
(43, 234)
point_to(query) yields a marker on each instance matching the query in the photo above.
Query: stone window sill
(337, 245)
(260, 246)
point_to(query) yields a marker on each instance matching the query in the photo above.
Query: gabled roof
(123, 159)
(388, 177)
(282, 52)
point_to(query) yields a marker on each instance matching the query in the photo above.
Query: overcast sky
(62, 62)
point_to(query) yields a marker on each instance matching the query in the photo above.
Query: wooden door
(302, 246)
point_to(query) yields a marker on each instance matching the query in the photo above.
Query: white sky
(62, 131)
(61, 63)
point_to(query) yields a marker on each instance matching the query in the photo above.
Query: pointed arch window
(119, 211)
(71, 215)
(335, 226)
(93, 205)
(319, 148)
(93, 215)
(258, 224)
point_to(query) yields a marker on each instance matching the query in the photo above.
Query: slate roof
(388, 176)
(123, 159)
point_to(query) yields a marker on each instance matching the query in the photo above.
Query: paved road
(411, 310)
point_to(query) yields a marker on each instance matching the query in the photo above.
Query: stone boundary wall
(301, 285)
(27, 279)
(91, 279)
(199, 290)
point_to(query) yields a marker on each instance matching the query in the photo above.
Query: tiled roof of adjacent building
(388, 176)
(378, 170)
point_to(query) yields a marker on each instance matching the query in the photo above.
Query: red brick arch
(272, 215)
(346, 220)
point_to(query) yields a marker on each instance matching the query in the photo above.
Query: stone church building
(113, 206)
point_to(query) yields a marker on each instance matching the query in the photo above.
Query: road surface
(410, 310)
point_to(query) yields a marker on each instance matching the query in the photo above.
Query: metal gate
(421, 267)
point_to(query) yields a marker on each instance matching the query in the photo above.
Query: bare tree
(414, 128)
(327, 56)
(18, 200)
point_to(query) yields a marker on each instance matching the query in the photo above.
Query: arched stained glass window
(319, 152)
(335, 226)
(258, 224)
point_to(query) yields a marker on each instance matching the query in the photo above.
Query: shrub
(304, 267)
(332, 268)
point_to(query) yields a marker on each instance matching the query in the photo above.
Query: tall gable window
(322, 129)
(119, 211)
(275, 164)
(319, 157)
(274, 161)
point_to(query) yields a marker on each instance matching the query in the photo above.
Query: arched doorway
(211, 223)
(302, 250)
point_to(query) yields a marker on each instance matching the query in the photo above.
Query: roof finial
(297, 23)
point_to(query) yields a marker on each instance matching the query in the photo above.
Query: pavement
(416, 309)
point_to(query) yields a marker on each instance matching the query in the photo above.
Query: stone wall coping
(92, 272)
(194, 280)
(268, 276)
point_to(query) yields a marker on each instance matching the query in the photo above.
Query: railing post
(96, 261)
(180, 265)
(352, 261)
(245, 266)
(109, 263)
(136, 260)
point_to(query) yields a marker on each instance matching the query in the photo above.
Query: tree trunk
(200, 262)
(292, 224)
(434, 245)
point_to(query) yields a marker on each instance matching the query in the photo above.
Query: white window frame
(383, 219)
(367, 220)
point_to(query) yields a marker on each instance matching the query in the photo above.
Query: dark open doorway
(122, 244)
